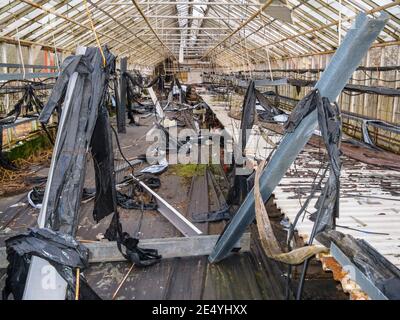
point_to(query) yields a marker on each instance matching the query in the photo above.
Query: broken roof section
(229, 33)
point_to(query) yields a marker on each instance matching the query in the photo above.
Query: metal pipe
(347, 58)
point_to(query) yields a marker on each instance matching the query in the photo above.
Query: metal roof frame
(228, 32)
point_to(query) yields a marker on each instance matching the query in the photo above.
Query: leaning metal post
(345, 61)
(43, 281)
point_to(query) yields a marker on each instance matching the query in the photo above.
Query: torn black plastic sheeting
(62, 251)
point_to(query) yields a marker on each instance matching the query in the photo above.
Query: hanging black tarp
(62, 251)
(28, 103)
(270, 111)
(103, 158)
(138, 80)
(4, 161)
(303, 109)
(128, 246)
(330, 125)
(160, 84)
(80, 124)
(134, 87)
(248, 114)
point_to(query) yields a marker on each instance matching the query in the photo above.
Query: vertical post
(1, 140)
(43, 281)
(6, 97)
(345, 61)
(121, 109)
(5, 70)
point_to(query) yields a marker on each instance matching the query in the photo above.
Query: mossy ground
(188, 170)
(34, 151)
(28, 148)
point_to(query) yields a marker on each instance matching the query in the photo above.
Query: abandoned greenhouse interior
(200, 150)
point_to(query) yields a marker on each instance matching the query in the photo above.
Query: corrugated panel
(370, 197)
(369, 201)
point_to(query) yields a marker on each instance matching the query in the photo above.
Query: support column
(345, 61)
(121, 109)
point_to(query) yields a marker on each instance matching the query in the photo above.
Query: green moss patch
(28, 147)
(188, 170)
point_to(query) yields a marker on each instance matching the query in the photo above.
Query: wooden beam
(107, 251)
(167, 247)
(28, 43)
